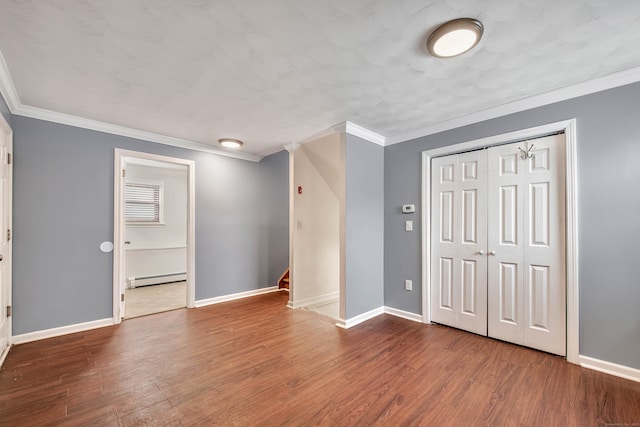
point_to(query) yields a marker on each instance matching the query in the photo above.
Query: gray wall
(4, 110)
(275, 187)
(608, 147)
(63, 209)
(364, 206)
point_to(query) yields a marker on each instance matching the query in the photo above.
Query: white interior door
(459, 230)
(505, 249)
(123, 241)
(118, 239)
(527, 301)
(5, 237)
(498, 246)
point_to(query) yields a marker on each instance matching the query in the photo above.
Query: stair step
(283, 282)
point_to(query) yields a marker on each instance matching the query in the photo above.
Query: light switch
(408, 225)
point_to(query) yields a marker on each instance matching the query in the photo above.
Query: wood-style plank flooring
(255, 362)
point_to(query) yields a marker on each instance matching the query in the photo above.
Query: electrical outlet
(408, 285)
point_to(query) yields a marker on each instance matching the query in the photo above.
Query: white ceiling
(272, 72)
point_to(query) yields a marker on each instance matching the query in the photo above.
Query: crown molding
(273, 150)
(291, 147)
(609, 81)
(366, 134)
(10, 95)
(7, 88)
(81, 122)
(342, 128)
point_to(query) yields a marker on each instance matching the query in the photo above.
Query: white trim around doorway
(118, 223)
(569, 129)
(7, 256)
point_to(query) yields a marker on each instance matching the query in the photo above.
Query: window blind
(142, 203)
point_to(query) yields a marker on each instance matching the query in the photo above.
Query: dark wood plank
(254, 362)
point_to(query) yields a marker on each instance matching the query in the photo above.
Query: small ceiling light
(455, 37)
(230, 142)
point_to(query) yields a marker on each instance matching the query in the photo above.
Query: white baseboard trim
(349, 323)
(239, 295)
(62, 330)
(609, 368)
(404, 314)
(305, 302)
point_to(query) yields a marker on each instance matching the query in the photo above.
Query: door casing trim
(8, 256)
(571, 212)
(118, 225)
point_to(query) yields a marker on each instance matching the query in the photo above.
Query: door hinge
(8, 235)
(8, 311)
(124, 173)
(8, 158)
(121, 297)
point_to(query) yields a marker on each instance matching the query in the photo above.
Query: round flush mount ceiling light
(230, 142)
(455, 37)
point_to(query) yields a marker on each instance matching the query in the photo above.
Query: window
(143, 203)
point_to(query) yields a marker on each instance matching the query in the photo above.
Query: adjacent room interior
(318, 199)
(155, 237)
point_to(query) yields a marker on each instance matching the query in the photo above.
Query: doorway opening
(316, 220)
(153, 234)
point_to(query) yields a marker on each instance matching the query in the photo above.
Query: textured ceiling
(275, 72)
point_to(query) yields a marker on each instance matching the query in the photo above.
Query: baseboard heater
(157, 279)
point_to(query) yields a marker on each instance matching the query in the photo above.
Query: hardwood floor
(255, 362)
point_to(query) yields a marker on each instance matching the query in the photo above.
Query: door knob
(480, 252)
(492, 253)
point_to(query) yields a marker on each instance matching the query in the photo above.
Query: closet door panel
(472, 244)
(526, 216)
(444, 226)
(458, 246)
(544, 247)
(505, 244)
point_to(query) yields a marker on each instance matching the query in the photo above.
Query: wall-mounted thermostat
(408, 208)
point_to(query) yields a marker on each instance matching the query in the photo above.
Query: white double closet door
(498, 245)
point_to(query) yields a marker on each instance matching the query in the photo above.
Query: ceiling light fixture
(230, 142)
(455, 37)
